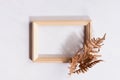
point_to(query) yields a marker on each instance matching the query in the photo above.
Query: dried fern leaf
(86, 57)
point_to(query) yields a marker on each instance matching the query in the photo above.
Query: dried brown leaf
(86, 57)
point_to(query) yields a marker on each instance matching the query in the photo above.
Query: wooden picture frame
(53, 21)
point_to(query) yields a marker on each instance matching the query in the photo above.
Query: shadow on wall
(30, 40)
(72, 44)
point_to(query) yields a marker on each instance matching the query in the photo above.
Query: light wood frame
(54, 22)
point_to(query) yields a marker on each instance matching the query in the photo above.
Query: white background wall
(14, 45)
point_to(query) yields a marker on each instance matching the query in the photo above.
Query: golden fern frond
(85, 67)
(86, 57)
(93, 63)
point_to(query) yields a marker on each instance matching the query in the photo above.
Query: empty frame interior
(57, 40)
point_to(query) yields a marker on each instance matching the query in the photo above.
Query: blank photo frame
(54, 39)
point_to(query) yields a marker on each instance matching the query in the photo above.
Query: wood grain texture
(53, 59)
(61, 22)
